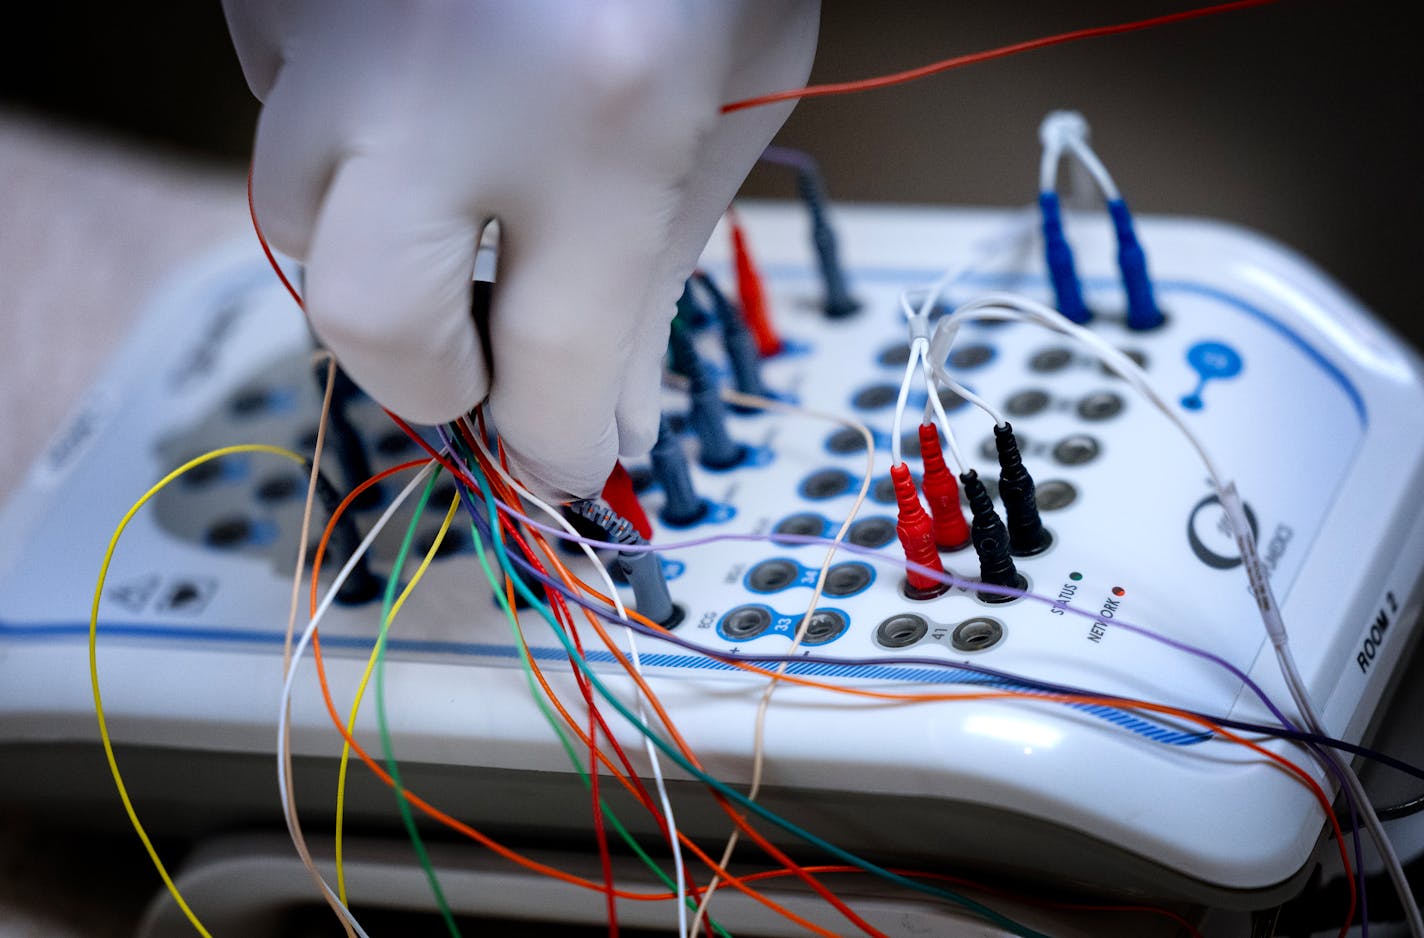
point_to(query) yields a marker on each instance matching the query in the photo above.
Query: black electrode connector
(682, 506)
(641, 568)
(361, 585)
(1027, 535)
(991, 539)
(345, 439)
(708, 416)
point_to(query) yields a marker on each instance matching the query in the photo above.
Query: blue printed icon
(1210, 360)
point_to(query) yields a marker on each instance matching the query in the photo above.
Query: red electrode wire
(974, 58)
(266, 249)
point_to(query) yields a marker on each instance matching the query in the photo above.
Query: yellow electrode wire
(361, 691)
(94, 659)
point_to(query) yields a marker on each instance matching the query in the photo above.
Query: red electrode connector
(618, 493)
(916, 536)
(951, 531)
(750, 291)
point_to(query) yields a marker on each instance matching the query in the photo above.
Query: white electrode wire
(1388, 855)
(919, 323)
(664, 800)
(934, 405)
(1079, 148)
(284, 709)
(1285, 658)
(1048, 166)
(1016, 308)
(937, 377)
(1067, 131)
(294, 824)
(919, 327)
(918, 347)
(918, 319)
(764, 705)
(1366, 809)
(1008, 307)
(490, 252)
(1016, 232)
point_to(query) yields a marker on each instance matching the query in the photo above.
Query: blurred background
(1298, 119)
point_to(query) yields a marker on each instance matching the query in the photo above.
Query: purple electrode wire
(942, 576)
(1007, 677)
(786, 156)
(1293, 731)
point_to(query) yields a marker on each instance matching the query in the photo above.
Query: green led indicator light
(1075, 575)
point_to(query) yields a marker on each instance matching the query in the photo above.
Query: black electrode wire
(1404, 809)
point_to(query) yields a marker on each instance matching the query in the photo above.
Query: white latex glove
(391, 132)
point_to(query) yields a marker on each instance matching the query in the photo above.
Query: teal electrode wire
(563, 737)
(727, 791)
(387, 750)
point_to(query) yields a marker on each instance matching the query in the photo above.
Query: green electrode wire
(563, 737)
(388, 753)
(387, 750)
(717, 785)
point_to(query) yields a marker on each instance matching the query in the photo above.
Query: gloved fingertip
(438, 398)
(559, 473)
(426, 376)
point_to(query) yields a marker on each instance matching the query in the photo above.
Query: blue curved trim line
(902, 275)
(231, 636)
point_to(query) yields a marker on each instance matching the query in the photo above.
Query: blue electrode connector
(361, 585)
(737, 339)
(1142, 311)
(708, 414)
(641, 569)
(1059, 258)
(344, 438)
(839, 302)
(1065, 133)
(682, 506)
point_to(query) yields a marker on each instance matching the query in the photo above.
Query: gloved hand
(391, 132)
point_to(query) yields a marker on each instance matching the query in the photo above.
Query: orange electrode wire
(737, 818)
(562, 614)
(508, 495)
(320, 556)
(1091, 700)
(974, 58)
(483, 839)
(1281, 761)
(466, 829)
(564, 620)
(341, 510)
(513, 856)
(793, 868)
